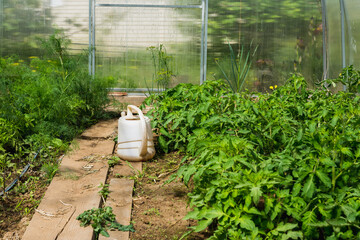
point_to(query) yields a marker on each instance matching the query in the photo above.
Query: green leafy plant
(101, 220)
(56, 93)
(50, 170)
(27, 205)
(266, 166)
(163, 69)
(184, 107)
(104, 192)
(152, 211)
(45, 102)
(349, 77)
(114, 160)
(6, 168)
(238, 69)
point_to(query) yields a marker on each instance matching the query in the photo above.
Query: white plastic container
(135, 138)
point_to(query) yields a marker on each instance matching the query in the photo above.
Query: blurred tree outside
(22, 22)
(288, 35)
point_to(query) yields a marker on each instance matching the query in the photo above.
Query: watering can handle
(143, 146)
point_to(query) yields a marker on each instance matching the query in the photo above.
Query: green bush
(266, 166)
(9, 136)
(46, 102)
(53, 96)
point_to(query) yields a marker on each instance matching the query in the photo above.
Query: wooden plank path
(75, 189)
(120, 199)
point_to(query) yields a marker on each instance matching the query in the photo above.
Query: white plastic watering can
(135, 138)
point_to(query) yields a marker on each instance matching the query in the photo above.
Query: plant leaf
(202, 225)
(323, 178)
(163, 144)
(309, 187)
(286, 227)
(247, 223)
(255, 192)
(104, 233)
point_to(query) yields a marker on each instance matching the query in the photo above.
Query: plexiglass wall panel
(288, 35)
(333, 38)
(342, 52)
(352, 10)
(151, 2)
(129, 41)
(72, 16)
(23, 22)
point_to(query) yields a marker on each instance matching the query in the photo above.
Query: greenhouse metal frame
(204, 22)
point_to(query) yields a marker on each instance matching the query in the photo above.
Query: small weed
(104, 192)
(138, 173)
(70, 175)
(152, 212)
(118, 175)
(50, 169)
(25, 206)
(102, 219)
(114, 160)
(29, 185)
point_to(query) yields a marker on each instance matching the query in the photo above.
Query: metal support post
(343, 52)
(1, 24)
(202, 42)
(324, 32)
(203, 49)
(205, 37)
(90, 37)
(93, 37)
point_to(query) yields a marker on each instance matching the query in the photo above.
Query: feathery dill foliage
(53, 96)
(46, 101)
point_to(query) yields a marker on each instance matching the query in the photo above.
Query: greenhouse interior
(241, 115)
(312, 37)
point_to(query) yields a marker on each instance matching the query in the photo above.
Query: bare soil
(17, 208)
(159, 208)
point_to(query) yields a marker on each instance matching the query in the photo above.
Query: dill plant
(46, 101)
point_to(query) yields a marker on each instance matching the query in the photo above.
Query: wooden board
(124, 170)
(72, 191)
(120, 199)
(103, 129)
(67, 197)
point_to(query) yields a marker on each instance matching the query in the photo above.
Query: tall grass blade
(239, 67)
(233, 66)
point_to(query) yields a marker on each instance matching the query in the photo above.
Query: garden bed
(158, 208)
(17, 209)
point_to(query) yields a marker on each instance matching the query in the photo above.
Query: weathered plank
(120, 199)
(103, 129)
(72, 191)
(123, 169)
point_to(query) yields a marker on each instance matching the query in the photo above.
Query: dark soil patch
(158, 209)
(17, 208)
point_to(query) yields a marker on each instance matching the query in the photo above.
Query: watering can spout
(135, 140)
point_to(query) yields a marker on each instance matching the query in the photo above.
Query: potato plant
(266, 166)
